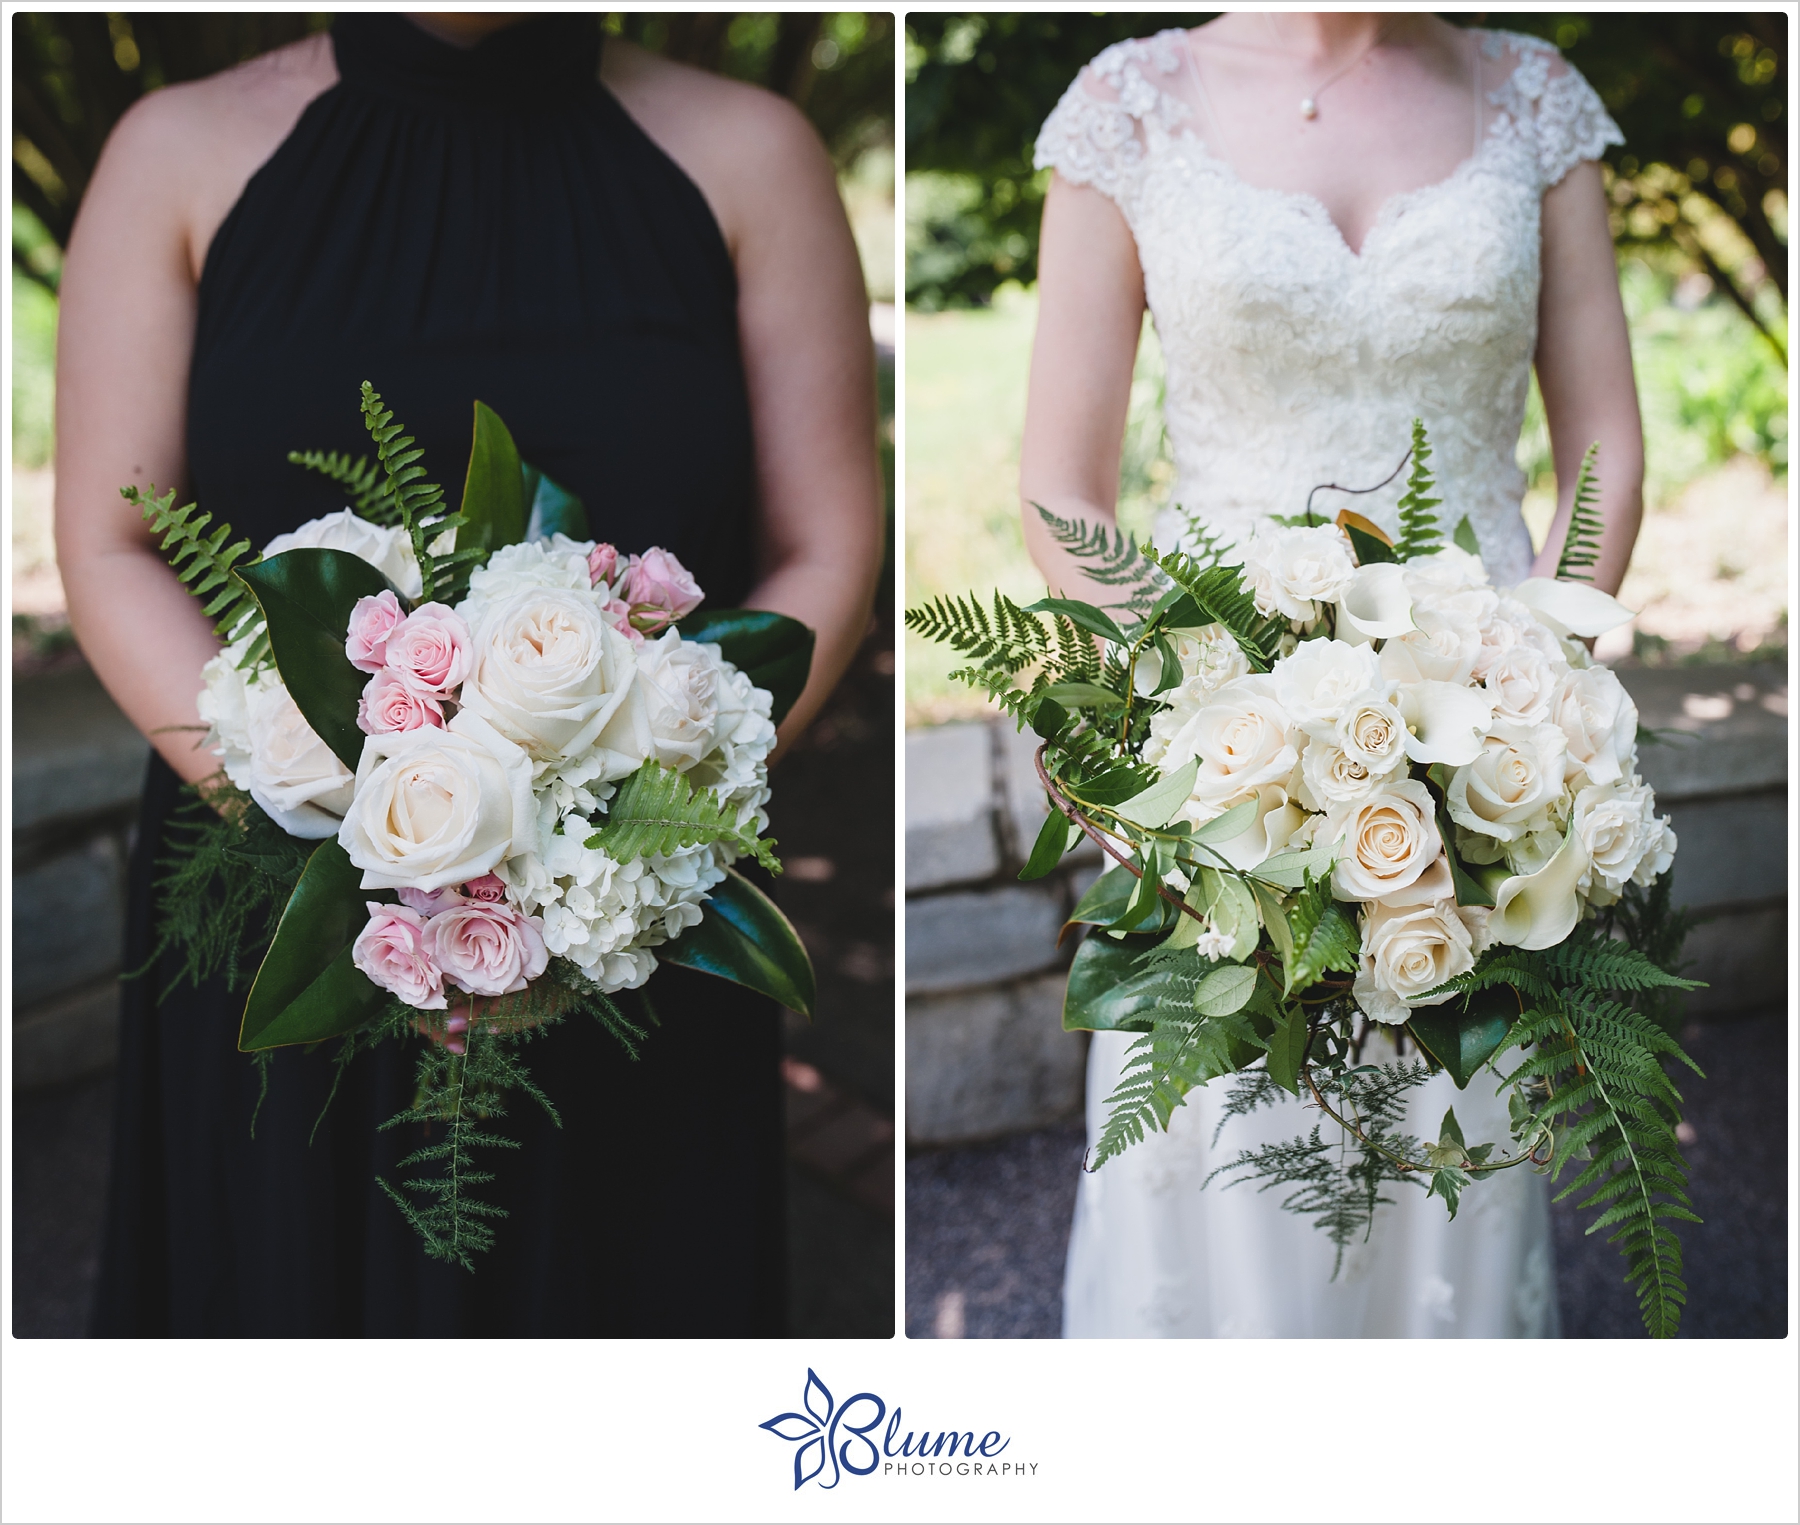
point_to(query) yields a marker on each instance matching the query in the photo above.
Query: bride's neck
(1316, 37)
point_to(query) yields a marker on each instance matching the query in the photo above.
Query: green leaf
(1085, 615)
(1227, 900)
(1153, 808)
(1369, 550)
(306, 597)
(307, 988)
(1451, 1129)
(554, 509)
(656, 811)
(1464, 538)
(1146, 897)
(1287, 1047)
(1275, 919)
(1225, 990)
(1463, 1041)
(1077, 696)
(1055, 838)
(1289, 870)
(744, 938)
(1049, 719)
(1324, 938)
(1447, 1182)
(1106, 991)
(1234, 823)
(775, 651)
(493, 497)
(1469, 890)
(1115, 785)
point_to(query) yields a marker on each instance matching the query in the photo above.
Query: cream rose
(1242, 739)
(1507, 790)
(558, 563)
(439, 807)
(292, 774)
(1289, 570)
(1625, 839)
(1406, 951)
(1522, 682)
(680, 683)
(1444, 654)
(1331, 776)
(1600, 720)
(1322, 678)
(1373, 732)
(551, 675)
(389, 551)
(1386, 841)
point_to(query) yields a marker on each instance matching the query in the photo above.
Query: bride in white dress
(1337, 222)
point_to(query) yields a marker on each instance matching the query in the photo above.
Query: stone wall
(78, 766)
(985, 1053)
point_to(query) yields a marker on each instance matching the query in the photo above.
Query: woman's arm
(1090, 311)
(803, 324)
(1584, 372)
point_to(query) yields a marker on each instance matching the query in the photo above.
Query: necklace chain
(1309, 104)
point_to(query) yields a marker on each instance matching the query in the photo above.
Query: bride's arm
(1090, 311)
(1584, 372)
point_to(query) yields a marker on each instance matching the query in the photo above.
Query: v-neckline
(1305, 200)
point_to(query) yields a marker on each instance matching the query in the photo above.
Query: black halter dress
(452, 224)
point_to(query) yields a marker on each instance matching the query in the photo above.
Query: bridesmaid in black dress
(455, 217)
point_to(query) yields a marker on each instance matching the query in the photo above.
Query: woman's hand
(1584, 372)
(1090, 312)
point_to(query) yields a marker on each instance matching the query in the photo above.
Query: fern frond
(1420, 532)
(1111, 558)
(207, 567)
(1161, 1067)
(444, 575)
(656, 812)
(1220, 595)
(1581, 546)
(1007, 640)
(363, 482)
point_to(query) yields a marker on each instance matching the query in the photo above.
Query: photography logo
(834, 1440)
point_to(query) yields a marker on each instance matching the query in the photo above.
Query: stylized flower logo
(815, 1432)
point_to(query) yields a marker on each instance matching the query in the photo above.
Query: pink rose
(659, 589)
(603, 561)
(430, 902)
(487, 949)
(430, 649)
(618, 615)
(393, 950)
(489, 887)
(372, 621)
(388, 704)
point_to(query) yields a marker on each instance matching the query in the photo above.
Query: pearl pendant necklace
(1309, 105)
(1309, 108)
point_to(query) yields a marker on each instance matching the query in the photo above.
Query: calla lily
(1540, 910)
(1445, 722)
(1571, 608)
(1375, 606)
(1276, 821)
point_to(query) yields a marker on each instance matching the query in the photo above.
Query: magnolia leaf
(1085, 615)
(307, 596)
(1225, 990)
(308, 988)
(1370, 550)
(1056, 837)
(1106, 992)
(772, 650)
(554, 509)
(1464, 538)
(1469, 890)
(493, 500)
(744, 938)
(1107, 897)
(1463, 1041)
(1153, 808)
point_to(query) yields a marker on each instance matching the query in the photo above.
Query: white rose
(1242, 738)
(553, 676)
(1321, 679)
(1372, 731)
(292, 774)
(1600, 720)
(1443, 654)
(1511, 785)
(1514, 625)
(1331, 776)
(1463, 610)
(436, 807)
(555, 563)
(1406, 951)
(1386, 842)
(1447, 571)
(1210, 657)
(1522, 682)
(389, 551)
(224, 704)
(680, 681)
(1287, 569)
(1624, 837)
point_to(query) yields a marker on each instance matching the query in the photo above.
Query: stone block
(1742, 958)
(1023, 802)
(67, 1037)
(981, 938)
(74, 753)
(949, 807)
(1730, 850)
(1730, 725)
(991, 1062)
(68, 920)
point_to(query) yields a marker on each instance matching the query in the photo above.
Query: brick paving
(988, 1225)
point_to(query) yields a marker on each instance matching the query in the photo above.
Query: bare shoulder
(740, 144)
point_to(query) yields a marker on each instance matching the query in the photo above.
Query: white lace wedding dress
(1291, 361)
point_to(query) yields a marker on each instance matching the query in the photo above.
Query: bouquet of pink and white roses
(1350, 787)
(487, 770)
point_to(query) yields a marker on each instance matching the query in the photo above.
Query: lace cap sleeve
(1567, 119)
(1097, 133)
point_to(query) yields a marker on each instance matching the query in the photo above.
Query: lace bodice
(1292, 360)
